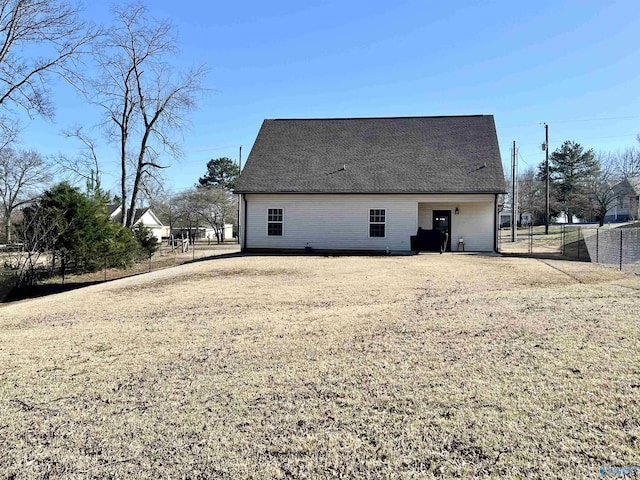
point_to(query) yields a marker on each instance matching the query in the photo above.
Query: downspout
(495, 223)
(244, 226)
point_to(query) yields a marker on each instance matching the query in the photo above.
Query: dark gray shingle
(457, 154)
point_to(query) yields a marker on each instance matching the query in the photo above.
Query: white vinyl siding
(341, 222)
(149, 220)
(474, 223)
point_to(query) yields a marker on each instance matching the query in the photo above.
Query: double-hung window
(275, 222)
(377, 222)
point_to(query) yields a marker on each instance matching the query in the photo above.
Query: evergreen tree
(79, 230)
(570, 170)
(221, 172)
(147, 242)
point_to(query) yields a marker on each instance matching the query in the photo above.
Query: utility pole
(513, 192)
(516, 189)
(546, 174)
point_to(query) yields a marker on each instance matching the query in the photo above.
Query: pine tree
(570, 170)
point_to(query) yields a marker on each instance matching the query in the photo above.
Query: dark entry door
(442, 222)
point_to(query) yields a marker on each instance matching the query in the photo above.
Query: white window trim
(369, 222)
(272, 221)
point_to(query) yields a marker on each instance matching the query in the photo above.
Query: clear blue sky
(574, 65)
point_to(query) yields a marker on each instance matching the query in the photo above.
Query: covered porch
(469, 222)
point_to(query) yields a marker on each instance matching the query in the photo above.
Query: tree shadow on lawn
(576, 251)
(44, 289)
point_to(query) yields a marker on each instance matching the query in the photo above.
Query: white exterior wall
(228, 231)
(341, 222)
(149, 221)
(474, 223)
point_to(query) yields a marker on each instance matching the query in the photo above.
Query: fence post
(621, 248)
(150, 261)
(105, 268)
(597, 244)
(578, 243)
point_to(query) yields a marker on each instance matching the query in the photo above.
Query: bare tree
(145, 99)
(602, 186)
(531, 194)
(627, 162)
(214, 205)
(38, 232)
(152, 189)
(84, 166)
(54, 30)
(23, 174)
(183, 214)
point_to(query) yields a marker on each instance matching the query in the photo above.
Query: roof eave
(292, 192)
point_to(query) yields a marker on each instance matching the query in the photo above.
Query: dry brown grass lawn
(313, 367)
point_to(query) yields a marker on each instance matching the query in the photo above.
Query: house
(204, 232)
(526, 219)
(143, 216)
(562, 217)
(368, 184)
(627, 204)
(227, 232)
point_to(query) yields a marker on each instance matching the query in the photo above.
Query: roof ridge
(381, 118)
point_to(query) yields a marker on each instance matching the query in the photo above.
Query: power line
(576, 120)
(523, 160)
(569, 120)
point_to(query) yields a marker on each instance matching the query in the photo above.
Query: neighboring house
(561, 217)
(227, 232)
(142, 215)
(526, 219)
(209, 233)
(627, 204)
(505, 218)
(368, 184)
(204, 232)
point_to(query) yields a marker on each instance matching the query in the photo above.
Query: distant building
(627, 205)
(142, 216)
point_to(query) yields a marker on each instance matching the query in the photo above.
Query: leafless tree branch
(55, 30)
(23, 174)
(145, 99)
(84, 166)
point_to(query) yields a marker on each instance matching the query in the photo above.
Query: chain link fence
(531, 240)
(48, 273)
(611, 245)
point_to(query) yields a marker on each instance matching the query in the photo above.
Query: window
(275, 221)
(377, 221)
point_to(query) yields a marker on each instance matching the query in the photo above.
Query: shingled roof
(113, 207)
(455, 154)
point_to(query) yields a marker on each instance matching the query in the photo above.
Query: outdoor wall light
(457, 211)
